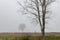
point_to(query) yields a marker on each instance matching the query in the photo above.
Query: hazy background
(10, 19)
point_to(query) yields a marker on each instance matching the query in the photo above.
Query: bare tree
(39, 10)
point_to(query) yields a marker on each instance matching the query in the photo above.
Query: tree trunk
(43, 19)
(43, 34)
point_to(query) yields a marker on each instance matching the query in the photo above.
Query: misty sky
(10, 19)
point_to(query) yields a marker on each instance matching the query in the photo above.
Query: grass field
(28, 36)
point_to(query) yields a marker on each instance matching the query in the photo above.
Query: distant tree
(38, 9)
(22, 27)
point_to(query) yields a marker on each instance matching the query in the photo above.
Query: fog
(10, 18)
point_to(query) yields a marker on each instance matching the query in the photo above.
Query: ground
(28, 36)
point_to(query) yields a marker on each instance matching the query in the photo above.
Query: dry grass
(28, 36)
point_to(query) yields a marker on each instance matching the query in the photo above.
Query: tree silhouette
(22, 27)
(38, 9)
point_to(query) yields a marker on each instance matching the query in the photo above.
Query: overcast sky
(10, 19)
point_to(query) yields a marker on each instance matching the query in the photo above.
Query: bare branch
(33, 2)
(48, 2)
(26, 9)
(40, 2)
(31, 7)
(37, 6)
